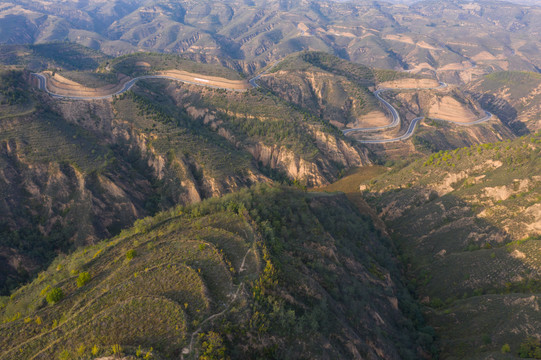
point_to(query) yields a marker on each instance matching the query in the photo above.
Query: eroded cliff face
(183, 179)
(55, 204)
(337, 154)
(47, 207)
(333, 152)
(333, 98)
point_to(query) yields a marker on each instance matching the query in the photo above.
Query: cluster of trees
(13, 89)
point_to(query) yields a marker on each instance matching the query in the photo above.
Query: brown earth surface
(207, 80)
(410, 83)
(372, 119)
(448, 108)
(60, 85)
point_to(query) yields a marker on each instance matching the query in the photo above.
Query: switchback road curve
(396, 119)
(42, 85)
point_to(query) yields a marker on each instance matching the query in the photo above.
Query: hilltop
(248, 275)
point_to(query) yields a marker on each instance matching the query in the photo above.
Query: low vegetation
(467, 223)
(248, 275)
(149, 63)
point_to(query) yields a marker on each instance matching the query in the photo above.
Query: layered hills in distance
(270, 179)
(459, 40)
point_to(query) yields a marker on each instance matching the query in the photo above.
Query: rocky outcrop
(279, 158)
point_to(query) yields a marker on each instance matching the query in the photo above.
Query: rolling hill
(103, 164)
(247, 35)
(245, 276)
(468, 222)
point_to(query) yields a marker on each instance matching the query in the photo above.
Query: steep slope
(514, 96)
(66, 163)
(468, 222)
(264, 273)
(102, 164)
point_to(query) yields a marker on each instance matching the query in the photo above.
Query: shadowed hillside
(468, 223)
(246, 276)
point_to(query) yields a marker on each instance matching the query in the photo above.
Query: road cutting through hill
(56, 87)
(63, 88)
(396, 118)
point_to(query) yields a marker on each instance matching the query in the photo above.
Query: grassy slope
(467, 221)
(295, 278)
(69, 56)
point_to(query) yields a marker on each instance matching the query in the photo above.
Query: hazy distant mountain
(459, 39)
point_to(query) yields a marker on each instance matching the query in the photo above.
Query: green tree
(54, 296)
(212, 346)
(83, 278)
(130, 254)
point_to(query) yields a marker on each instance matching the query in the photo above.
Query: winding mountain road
(42, 85)
(253, 80)
(396, 119)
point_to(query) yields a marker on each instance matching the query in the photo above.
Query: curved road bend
(42, 85)
(396, 119)
(413, 124)
(394, 113)
(253, 80)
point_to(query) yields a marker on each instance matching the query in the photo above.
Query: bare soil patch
(207, 80)
(372, 119)
(60, 85)
(448, 108)
(410, 83)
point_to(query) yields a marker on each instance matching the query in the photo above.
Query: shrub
(83, 278)
(531, 348)
(117, 350)
(81, 350)
(95, 350)
(64, 355)
(130, 254)
(505, 349)
(54, 296)
(212, 346)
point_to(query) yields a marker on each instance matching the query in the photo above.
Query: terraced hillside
(245, 276)
(468, 223)
(514, 96)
